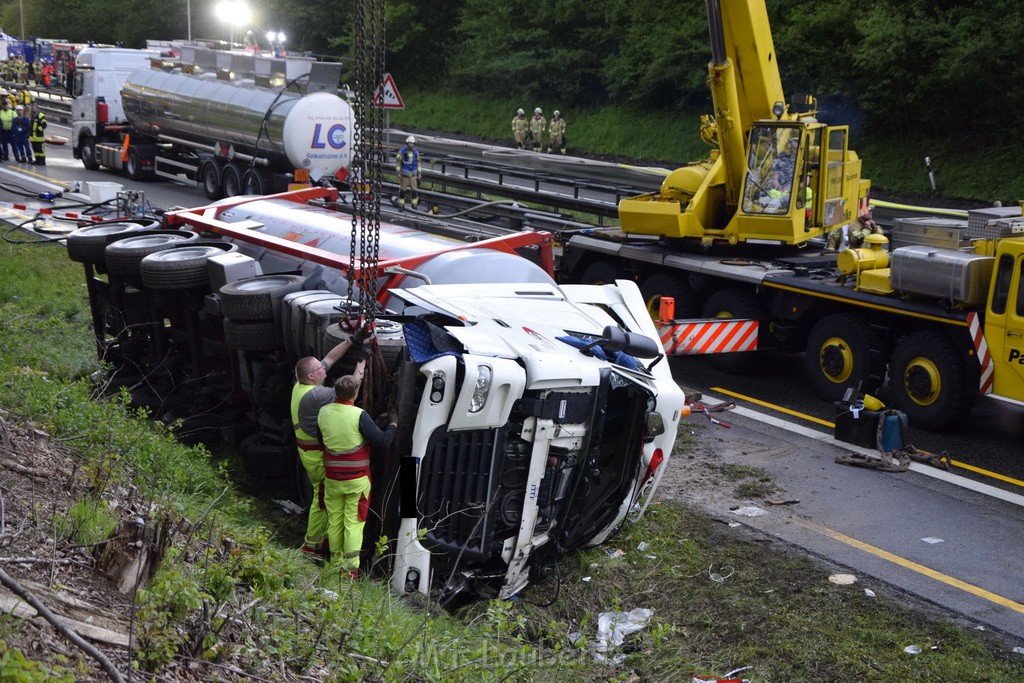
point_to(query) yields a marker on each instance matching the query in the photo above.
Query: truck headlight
(484, 374)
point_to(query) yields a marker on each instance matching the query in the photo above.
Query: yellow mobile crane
(776, 175)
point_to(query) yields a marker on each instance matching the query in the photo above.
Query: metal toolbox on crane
(933, 231)
(991, 222)
(958, 277)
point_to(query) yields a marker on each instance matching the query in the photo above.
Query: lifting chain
(368, 152)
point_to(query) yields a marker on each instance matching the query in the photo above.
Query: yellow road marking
(913, 566)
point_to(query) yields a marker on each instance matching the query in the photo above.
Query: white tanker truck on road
(234, 123)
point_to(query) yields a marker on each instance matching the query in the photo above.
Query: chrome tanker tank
(311, 132)
(332, 231)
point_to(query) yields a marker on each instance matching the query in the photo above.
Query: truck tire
(929, 380)
(263, 458)
(209, 179)
(675, 286)
(733, 303)
(263, 335)
(257, 298)
(86, 245)
(87, 152)
(124, 256)
(132, 166)
(182, 267)
(252, 182)
(602, 273)
(839, 355)
(230, 180)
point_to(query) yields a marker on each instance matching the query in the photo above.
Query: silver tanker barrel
(332, 231)
(311, 132)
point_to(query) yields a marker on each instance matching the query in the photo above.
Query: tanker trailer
(137, 112)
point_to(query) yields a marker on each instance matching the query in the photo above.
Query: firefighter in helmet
(556, 133)
(537, 126)
(519, 127)
(407, 166)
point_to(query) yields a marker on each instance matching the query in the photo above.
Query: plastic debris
(787, 501)
(586, 579)
(843, 579)
(749, 511)
(289, 507)
(933, 540)
(734, 524)
(612, 629)
(614, 553)
(868, 592)
(912, 649)
(1018, 650)
(642, 546)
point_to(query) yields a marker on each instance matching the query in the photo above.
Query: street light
(276, 39)
(233, 12)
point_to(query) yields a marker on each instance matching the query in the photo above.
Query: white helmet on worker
(558, 113)
(410, 140)
(537, 110)
(520, 112)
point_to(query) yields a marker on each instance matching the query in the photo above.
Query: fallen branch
(73, 637)
(30, 471)
(43, 560)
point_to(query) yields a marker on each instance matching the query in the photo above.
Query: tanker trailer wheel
(675, 286)
(839, 356)
(252, 182)
(929, 380)
(257, 298)
(262, 335)
(209, 178)
(124, 256)
(602, 273)
(231, 180)
(182, 267)
(733, 303)
(87, 152)
(86, 245)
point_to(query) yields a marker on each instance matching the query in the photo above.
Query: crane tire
(929, 380)
(675, 286)
(257, 298)
(733, 303)
(602, 273)
(842, 352)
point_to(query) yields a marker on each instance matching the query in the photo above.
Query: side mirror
(616, 339)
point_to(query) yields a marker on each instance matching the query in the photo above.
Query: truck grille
(459, 480)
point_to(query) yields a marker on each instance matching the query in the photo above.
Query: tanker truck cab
(543, 417)
(1004, 320)
(97, 111)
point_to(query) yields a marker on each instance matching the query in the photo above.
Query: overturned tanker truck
(534, 419)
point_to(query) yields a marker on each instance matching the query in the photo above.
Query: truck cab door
(1004, 321)
(829, 177)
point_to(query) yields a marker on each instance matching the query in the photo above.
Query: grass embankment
(965, 167)
(233, 590)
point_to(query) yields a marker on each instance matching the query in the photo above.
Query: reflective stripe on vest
(303, 441)
(346, 454)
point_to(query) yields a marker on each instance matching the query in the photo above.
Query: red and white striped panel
(984, 357)
(708, 336)
(62, 215)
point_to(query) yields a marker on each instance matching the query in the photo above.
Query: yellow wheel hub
(922, 381)
(836, 360)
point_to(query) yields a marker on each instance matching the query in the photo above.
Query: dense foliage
(907, 65)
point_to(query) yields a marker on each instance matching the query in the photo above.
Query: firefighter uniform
(556, 133)
(312, 456)
(347, 433)
(853, 234)
(537, 126)
(37, 136)
(519, 128)
(407, 166)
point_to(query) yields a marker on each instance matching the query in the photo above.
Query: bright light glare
(233, 12)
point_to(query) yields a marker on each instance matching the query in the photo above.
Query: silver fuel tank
(332, 231)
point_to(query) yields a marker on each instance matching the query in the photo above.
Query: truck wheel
(124, 256)
(670, 284)
(602, 273)
(86, 245)
(132, 166)
(252, 182)
(87, 152)
(264, 335)
(263, 458)
(257, 298)
(182, 267)
(209, 178)
(839, 356)
(929, 380)
(733, 303)
(231, 180)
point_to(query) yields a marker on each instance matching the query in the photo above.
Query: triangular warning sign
(387, 95)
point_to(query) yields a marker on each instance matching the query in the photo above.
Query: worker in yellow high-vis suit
(349, 435)
(308, 396)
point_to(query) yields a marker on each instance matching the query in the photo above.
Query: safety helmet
(537, 110)
(19, 107)
(558, 113)
(520, 112)
(410, 140)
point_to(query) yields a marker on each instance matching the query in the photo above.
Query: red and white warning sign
(387, 95)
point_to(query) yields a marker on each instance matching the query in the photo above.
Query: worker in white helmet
(537, 126)
(407, 166)
(556, 133)
(519, 127)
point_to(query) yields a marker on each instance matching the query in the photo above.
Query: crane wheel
(929, 380)
(734, 303)
(676, 286)
(842, 352)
